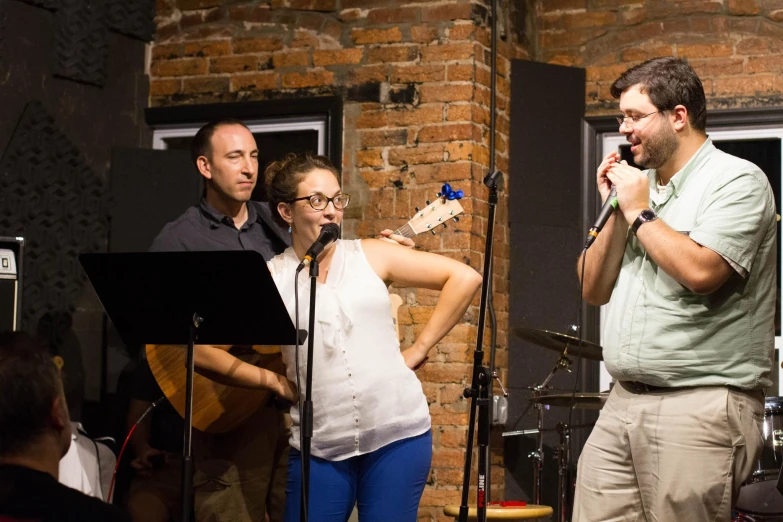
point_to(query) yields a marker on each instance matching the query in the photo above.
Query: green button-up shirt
(661, 333)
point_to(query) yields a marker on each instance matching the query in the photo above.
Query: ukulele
(218, 408)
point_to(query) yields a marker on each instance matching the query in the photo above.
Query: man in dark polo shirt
(240, 475)
(237, 475)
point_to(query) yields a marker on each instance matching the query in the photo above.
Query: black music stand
(190, 298)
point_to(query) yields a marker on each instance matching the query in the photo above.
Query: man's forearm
(603, 261)
(699, 269)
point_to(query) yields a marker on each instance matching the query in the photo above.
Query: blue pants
(387, 484)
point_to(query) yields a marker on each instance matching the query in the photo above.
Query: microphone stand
(306, 415)
(186, 479)
(482, 378)
(481, 387)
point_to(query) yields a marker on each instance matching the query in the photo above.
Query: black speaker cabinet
(11, 257)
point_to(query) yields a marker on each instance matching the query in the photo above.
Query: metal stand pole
(187, 460)
(306, 422)
(563, 458)
(481, 376)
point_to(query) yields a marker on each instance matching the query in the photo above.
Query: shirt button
(354, 397)
(349, 375)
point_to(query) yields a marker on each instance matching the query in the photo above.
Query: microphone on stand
(603, 217)
(328, 234)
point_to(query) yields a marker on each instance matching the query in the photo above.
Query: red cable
(119, 458)
(124, 444)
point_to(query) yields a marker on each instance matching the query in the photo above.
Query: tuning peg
(456, 219)
(428, 202)
(444, 225)
(417, 209)
(433, 232)
(439, 195)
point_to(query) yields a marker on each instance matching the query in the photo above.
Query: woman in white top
(371, 440)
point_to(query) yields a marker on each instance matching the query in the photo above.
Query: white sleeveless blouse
(364, 396)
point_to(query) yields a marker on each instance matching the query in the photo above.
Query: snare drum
(759, 494)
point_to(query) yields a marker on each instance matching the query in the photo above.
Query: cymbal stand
(537, 456)
(563, 459)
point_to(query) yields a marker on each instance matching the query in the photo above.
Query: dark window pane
(766, 154)
(180, 143)
(275, 146)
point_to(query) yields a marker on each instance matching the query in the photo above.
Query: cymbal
(557, 341)
(585, 401)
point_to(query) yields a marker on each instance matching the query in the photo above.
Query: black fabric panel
(50, 196)
(547, 107)
(149, 188)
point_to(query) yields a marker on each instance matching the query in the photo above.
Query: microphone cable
(579, 345)
(298, 384)
(124, 444)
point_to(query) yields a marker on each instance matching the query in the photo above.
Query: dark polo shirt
(202, 227)
(27, 495)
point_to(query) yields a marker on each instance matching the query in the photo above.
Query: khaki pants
(669, 456)
(239, 476)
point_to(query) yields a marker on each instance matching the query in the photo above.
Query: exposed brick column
(415, 78)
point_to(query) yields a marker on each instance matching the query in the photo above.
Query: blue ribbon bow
(449, 194)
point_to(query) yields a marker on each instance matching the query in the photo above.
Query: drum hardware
(563, 459)
(777, 438)
(584, 401)
(741, 517)
(537, 455)
(533, 431)
(759, 499)
(566, 345)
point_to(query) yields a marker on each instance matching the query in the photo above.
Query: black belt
(641, 387)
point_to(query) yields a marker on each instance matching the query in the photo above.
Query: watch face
(647, 215)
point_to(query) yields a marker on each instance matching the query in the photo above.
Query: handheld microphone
(603, 217)
(328, 234)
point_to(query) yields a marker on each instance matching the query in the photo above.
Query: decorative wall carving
(49, 195)
(80, 43)
(132, 18)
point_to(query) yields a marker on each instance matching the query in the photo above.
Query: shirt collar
(215, 217)
(677, 183)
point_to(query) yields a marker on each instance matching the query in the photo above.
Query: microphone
(328, 234)
(603, 217)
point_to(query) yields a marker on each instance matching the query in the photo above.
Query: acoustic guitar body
(217, 408)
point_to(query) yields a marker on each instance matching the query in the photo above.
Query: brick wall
(734, 45)
(415, 78)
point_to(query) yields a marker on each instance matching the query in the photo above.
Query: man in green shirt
(687, 265)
